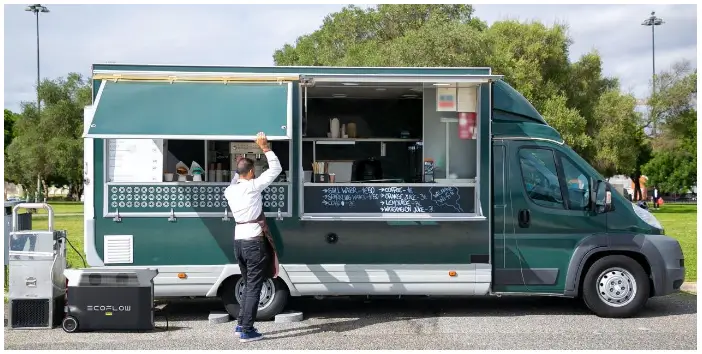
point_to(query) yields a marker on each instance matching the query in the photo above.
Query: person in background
(253, 245)
(655, 198)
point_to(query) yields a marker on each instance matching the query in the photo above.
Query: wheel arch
(576, 275)
(231, 272)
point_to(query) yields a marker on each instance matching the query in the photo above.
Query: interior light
(441, 84)
(380, 89)
(339, 95)
(349, 84)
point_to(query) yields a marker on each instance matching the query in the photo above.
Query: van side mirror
(602, 195)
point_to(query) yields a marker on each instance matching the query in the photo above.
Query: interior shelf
(388, 140)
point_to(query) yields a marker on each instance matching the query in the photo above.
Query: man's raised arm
(274, 167)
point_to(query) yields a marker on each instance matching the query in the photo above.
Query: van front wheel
(274, 297)
(615, 286)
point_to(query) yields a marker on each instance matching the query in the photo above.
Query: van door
(550, 207)
(504, 252)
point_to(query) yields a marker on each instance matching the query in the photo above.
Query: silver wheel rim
(267, 292)
(616, 287)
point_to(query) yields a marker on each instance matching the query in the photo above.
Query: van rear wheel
(615, 286)
(274, 297)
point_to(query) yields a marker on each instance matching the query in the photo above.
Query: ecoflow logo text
(110, 308)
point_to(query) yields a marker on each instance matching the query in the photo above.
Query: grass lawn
(61, 207)
(74, 227)
(680, 222)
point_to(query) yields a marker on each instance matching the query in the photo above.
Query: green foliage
(50, 144)
(617, 134)
(673, 167)
(575, 98)
(10, 119)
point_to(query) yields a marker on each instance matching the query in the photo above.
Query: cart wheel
(69, 324)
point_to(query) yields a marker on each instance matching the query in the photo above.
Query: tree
(10, 119)
(572, 97)
(50, 145)
(617, 134)
(673, 167)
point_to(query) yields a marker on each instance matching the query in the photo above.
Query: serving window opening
(390, 150)
(170, 148)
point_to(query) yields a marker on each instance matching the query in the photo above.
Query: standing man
(253, 244)
(655, 198)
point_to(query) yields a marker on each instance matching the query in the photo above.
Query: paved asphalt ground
(420, 323)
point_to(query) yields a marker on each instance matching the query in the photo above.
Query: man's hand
(262, 142)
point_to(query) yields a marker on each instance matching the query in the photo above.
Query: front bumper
(667, 263)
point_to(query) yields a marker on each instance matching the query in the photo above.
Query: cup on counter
(332, 177)
(168, 177)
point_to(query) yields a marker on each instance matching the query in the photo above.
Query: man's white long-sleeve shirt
(244, 198)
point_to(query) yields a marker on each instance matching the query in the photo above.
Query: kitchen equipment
(36, 282)
(368, 169)
(332, 177)
(351, 130)
(249, 150)
(334, 128)
(342, 170)
(168, 177)
(110, 299)
(429, 170)
(343, 131)
(415, 163)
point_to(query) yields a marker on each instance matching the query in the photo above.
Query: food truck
(396, 181)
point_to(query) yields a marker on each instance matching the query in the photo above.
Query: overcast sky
(75, 36)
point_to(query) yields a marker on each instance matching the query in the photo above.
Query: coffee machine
(249, 150)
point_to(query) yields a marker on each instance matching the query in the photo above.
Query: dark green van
(397, 181)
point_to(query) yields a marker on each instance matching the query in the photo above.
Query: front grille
(30, 313)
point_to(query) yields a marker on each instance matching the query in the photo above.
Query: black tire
(69, 324)
(626, 277)
(274, 307)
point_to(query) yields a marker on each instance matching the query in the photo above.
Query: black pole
(38, 74)
(653, 46)
(36, 13)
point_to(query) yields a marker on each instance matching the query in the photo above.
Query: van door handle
(524, 218)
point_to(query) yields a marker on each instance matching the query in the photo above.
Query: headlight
(647, 217)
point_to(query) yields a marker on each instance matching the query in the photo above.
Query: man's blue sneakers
(237, 331)
(250, 336)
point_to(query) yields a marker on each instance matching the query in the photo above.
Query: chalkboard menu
(333, 199)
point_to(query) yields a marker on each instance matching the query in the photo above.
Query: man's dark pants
(252, 256)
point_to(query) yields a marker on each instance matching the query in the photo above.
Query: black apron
(272, 269)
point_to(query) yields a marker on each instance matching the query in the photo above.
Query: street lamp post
(652, 22)
(36, 9)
